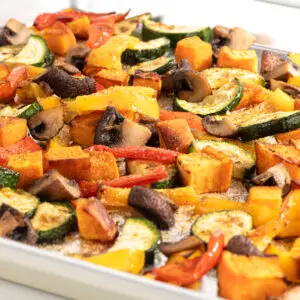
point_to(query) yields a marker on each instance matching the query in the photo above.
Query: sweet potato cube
(293, 227)
(103, 166)
(83, 128)
(175, 135)
(12, 130)
(241, 59)
(28, 165)
(249, 277)
(59, 38)
(207, 171)
(68, 161)
(148, 79)
(80, 27)
(264, 203)
(94, 222)
(285, 138)
(196, 51)
(109, 78)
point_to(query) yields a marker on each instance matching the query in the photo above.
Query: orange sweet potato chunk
(12, 130)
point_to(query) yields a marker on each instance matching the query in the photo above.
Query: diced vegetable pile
(151, 143)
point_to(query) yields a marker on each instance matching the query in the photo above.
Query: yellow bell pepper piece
(80, 27)
(34, 71)
(295, 58)
(109, 55)
(281, 100)
(295, 250)
(288, 264)
(294, 81)
(126, 260)
(123, 98)
(49, 102)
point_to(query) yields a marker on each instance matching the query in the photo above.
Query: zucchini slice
(217, 77)
(152, 30)
(222, 100)
(8, 178)
(28, 111)
(9, 51)
(231, 222)
(269, 124)
(20, 200)
(35, 52)
(137, 234)
(243, 161)
(53, 221)
(146, 51)
(159, 65)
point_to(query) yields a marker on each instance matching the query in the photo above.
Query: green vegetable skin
(224, 99)
(146, 51)
(58, 231)
(159, 65)
(152, 30)
(243, 161)
(269, 124)
(231, 222)
(31, 110)
(171, 181)
(35, 52)
(8, 178)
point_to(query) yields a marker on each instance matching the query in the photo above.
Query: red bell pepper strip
(88, 188)
(99, 87)
(23, 146)
(145, 153)
(194, 269)
(99, 34)
(134, 180)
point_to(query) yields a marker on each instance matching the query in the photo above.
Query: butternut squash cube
(293, 227)
(285, 138)
(148, 79)
(28, 165)
(80, 27)
(94, 222)
(249, 277)
(49, 102)
(83, 128)
(175, 135)
(264, 203)
(241, 59)
(207, 171)
(59, 38)
(109, 78)
(68, 161)
(294, 81)
(197, 52)
(103, 166)
(28, 92)
(12, 130)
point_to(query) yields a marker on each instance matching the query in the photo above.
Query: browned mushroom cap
(240, 39)
(222, 127)
(76, 56)
(222, 31)
(54, 187)
(290, 89)
(154, 205)
(278, 174)
(187, 243)
(14, 33)
(15, 226)
(46, 124)
(63, 65)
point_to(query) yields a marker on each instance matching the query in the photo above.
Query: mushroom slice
(187, 243)
(14, 225)
(282, 72)
(46, 124)
(54, 187)
(278, 174)
(14, 33)
(154, 205)
(240, 39)
(178, 75)
(133, 134)
(222, 32)
(269, 61)
(290, 89)
(66, 86)
(219, 126)
(108, 128)
(76, 56)
(199, 85)
(69, 68)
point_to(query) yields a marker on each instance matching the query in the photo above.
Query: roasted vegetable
(14, 33)
(66, 86)
(54, 187)
(52, 221)
(108, 78)
(80, 27)
(94, 222)
(28, 111)
(156, 206)
(76, 56)
(147, 79)
(191, 169)
(8, 178)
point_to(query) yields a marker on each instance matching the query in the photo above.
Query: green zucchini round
(28, 111)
